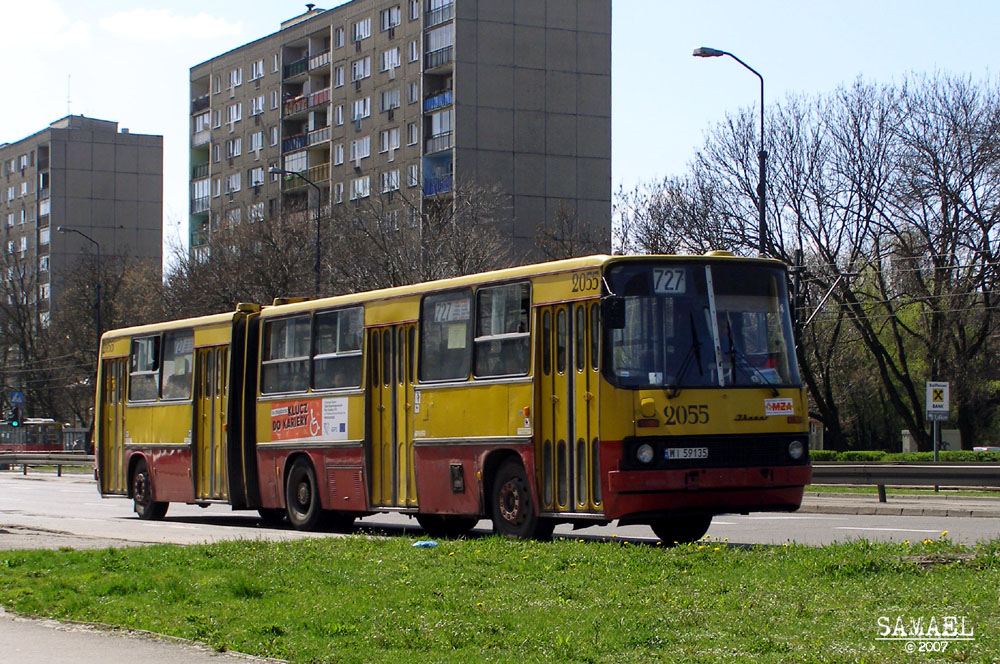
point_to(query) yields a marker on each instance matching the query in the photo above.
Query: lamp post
(705, 52)
(274, 170)
(97, 281)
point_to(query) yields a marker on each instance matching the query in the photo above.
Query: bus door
(390, 431)
(586, 362)
(111, 445)
(210, 436)
(554, 419)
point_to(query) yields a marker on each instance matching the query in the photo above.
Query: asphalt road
(44, 511)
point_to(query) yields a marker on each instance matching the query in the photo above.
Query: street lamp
(705, 52)
(274, 170)
(97, 282)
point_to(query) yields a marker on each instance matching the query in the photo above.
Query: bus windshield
(701, 325)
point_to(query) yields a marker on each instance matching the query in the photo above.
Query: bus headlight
(796, 449)
(644, 453)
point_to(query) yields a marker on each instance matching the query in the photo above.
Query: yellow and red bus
(649, 389)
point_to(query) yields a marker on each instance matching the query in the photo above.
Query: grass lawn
(361, 599)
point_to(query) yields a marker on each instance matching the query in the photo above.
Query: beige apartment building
(85, 175)
(375, 97)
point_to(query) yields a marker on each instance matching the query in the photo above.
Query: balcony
(295, 105)
(318, 136)
(200, 204)
(434, 186)
(319, 97)
(437, 58)
(200, 138)
(199, 172)
(440, 15)
(439, 143)
(319, 173)
(438, 101)
(199, 104)
(297, 67)
(293, 143)
(320, 60)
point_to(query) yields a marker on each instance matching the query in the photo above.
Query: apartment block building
(375, 97)
(82, 174)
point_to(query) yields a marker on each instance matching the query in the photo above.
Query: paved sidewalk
(822, 502)
(25, 641)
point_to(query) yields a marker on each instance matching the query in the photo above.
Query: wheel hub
(510, 503)
(302, 493)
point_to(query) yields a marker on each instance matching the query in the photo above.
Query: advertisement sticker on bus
(324, 419)
(778, 407)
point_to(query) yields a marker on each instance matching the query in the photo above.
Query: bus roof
(198, 321)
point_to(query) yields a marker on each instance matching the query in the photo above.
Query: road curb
(901, 510)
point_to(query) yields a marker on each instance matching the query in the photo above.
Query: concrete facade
(83, 174)
(410, 98)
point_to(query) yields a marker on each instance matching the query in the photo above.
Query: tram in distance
(658, 390)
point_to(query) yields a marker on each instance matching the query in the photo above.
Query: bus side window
(178, 360)
(503, 339)
(285, 357)
(446, 336)
(144, 368)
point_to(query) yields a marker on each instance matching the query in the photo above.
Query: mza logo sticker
(778, 407)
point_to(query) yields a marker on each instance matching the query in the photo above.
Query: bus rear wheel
(302, 501)
(512, 508)
(438, 525)
(142, 495)
(681, 529)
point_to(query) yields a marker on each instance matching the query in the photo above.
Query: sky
(129, 62)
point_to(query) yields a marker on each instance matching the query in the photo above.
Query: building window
(216, 84)
(389, 18)
(234, 182)
(440, 38)
(43, 292)
(24, 243)
(338, 76)
(256, 69)
(360, 188)
(414, 51)
(414, 10)
(274, 135)
(412, 175)
(234, 147)
(338, 192)
(274, 63)
(361, 68)
(390, 59)
(236, 77)
(256, 176)
(274, 99)
(234, 112)
(233, 216)
(257, 105)
(255, 212)
(216, 187)
(216, 119)
(412, 134)
(216, 153)
(338, 38)
(362, 30)
(274, 178)
(360, 148)
(413, 95)
(201, 122)
(390, 99)
(10, 219)
(361, 108)
(43, 263)
(388, 139)
(338, 154)
(296, 162)
(43, 236)
(256, 141)
(338, 115)
(390, 181)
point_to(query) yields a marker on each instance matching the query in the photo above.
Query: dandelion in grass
(944, 533)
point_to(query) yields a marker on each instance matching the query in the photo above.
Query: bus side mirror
(613, 312)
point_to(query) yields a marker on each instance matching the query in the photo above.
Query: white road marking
(891, 530)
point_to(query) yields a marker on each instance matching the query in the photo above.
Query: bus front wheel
(301, 499)
(512, 508)
(682, 529)
(142, 495)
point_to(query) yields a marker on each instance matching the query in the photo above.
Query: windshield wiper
(693, 352)
(748, 368)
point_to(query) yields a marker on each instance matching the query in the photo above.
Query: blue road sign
(17, 398)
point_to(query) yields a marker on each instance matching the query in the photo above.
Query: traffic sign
(937, 400)
(17, 398)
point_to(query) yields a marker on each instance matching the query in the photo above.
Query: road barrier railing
(57, 459)
(907, 474)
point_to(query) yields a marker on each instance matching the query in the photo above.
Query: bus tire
(439, 525)
(301, 499)
(142, 494)
(681, 529)
(512, 508)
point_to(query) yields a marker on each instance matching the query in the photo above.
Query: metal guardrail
(57, 459)
(907, 474)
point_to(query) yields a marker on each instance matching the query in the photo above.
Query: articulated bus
(34, 434)
(659, 390)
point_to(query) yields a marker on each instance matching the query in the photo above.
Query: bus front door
(111, 442)
(210, 436)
